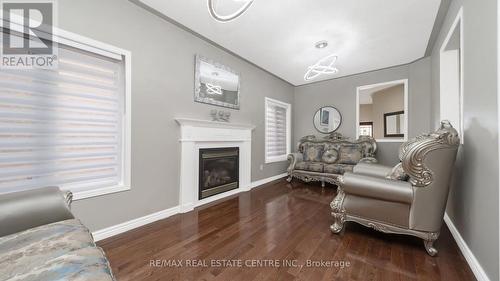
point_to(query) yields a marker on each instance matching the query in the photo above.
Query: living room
(249, 140)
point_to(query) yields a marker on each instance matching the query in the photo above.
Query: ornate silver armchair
(415, 203)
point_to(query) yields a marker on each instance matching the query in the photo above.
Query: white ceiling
(279, 35)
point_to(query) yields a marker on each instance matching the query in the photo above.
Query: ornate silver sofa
(326, 159)
(407, 199)
(41, 240)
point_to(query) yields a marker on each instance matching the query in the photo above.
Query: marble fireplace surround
(197, 134)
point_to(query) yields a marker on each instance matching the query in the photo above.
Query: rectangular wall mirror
(381, 111)
(394, 124)
(216, 84)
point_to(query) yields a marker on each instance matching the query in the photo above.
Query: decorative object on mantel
(220, 115)
(216, 84)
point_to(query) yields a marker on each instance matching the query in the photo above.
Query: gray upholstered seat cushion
(379, 188)
(375, 170)
(337, 168)
(62, 250)
(310, 166)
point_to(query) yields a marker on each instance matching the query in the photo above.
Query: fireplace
(219, 170)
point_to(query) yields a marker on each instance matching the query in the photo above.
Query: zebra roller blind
(277, 139)
(63, 127)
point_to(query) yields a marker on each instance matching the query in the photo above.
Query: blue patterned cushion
(59, 251)
(313, 152)
(350, 154)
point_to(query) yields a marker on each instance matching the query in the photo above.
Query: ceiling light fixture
(323, 67)
(321, 44)
(225, 18)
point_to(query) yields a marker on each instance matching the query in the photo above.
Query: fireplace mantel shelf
(212, 124)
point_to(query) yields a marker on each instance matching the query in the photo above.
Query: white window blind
(277, 139)
(63, 127)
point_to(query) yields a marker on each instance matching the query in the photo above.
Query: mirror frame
(386, 135)
(404, 138)
(197, 83)
(340, 124)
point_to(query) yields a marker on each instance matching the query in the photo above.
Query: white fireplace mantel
(197, 134)
(212, 124)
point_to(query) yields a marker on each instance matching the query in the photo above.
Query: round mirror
(327, 119)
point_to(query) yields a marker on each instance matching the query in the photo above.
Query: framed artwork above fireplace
(216, 84)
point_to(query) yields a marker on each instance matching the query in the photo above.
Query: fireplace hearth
(219, 171)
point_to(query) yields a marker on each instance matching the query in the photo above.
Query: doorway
(451, 77)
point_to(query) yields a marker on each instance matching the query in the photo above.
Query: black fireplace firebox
(219, 170)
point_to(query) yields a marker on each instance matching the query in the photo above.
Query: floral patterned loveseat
(325, 159)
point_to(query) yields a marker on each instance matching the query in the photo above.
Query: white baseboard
(474, 264)
(135, 223)
(266, 180)
(138, 222)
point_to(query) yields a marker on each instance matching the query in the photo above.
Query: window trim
(458, 22)
(90, 45)
(407, 112)
(367, 123)
(288, 107)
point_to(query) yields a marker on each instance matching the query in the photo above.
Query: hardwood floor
(277, 221)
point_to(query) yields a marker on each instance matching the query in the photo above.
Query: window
(70, 126)
(366, 129)
(278, 128)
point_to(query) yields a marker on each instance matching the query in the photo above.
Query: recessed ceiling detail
(279, 36)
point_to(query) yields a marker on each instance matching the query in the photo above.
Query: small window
(68, 127)
(366, 129)
(278, 127)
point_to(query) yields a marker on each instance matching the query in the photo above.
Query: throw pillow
(398, 173)
(313, 152)
(330, 156)
(350, 154)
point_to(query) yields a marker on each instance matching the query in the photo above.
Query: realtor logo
(27, 35)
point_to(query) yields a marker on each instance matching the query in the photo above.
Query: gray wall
(385, 101)
(162, 89)
(366, 113)
(163, 67)
(473, 202)
(341, 93)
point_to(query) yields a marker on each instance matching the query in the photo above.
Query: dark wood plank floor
(277, 221)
